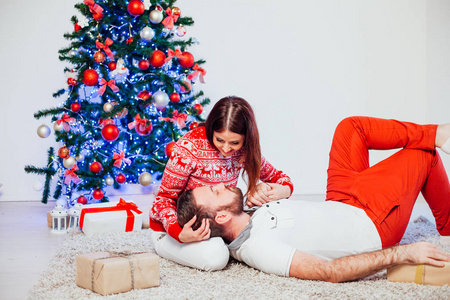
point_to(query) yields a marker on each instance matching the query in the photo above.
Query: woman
(215, 152)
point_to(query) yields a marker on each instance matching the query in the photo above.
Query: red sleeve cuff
(174, 231)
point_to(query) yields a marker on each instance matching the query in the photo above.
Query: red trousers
(388, 190)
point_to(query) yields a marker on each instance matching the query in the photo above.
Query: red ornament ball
(136, 8)
(77, 27)
(174, 97)
(144, 64)
(193, 125)
(198, 108)
(112, 66)
(143, 130)
(186, 60)
(169, 148)
(158, 59)
(99, 57)
(75, 107)
(71, 81)
(96, 167)
(90, 77)
(97, 194)
(110, 132)
(82, 199)
(121, 178)
(64, 152)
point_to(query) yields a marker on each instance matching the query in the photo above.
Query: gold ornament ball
(145, 179)
(108, 107)
(43, 131)
(58, 127)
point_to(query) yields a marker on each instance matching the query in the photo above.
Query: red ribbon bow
(122, 205)
(198, 71)
(71, 176)
(138, 121)
(111, 84)
(172, 53)
(105, 47)
(65, 120)
(103, 123)
(94, 8)
(170, 19)
(177, 118)
(119, 158)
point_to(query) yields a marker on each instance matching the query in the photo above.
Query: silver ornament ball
(109, 181)
(156, 16)
(145, 179)
(147, 33)
(108, 107)
(58, 127)
(181, 31)
(160, 99)
(43, 131)
(79, 157)
(72, 53)
(69, 162)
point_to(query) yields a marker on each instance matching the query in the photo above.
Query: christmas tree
(129, 97)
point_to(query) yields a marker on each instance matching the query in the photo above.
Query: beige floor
(27, 244)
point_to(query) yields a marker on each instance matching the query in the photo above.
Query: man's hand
(266, 192)
(421, 253)
(188, 235)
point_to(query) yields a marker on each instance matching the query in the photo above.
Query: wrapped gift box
(117, 272)
(110, 217)
(420, 274)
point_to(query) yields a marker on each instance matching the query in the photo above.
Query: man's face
(217, 196)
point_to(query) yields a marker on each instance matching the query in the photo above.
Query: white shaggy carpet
(236, 281)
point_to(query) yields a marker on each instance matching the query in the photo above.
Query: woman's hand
(266, 192)
(188, 234)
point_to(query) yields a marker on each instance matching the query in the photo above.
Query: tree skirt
(236, 281)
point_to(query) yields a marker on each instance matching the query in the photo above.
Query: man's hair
(187, 208)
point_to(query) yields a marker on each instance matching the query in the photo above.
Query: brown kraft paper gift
(111, 272)
(420, 274)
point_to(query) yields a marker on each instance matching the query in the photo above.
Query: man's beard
(237, 205)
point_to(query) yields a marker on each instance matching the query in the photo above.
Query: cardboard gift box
(110, 217)
(420, 274)
(117, 272)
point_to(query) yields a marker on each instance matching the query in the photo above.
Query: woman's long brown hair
(236, 115)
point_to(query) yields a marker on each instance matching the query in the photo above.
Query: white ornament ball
(181, 31)
(156, 16)
(108, 107)
(147, 33)
(43, 131)
(61, 202)
(69, 162)
(160, 99)
(145, 179)
(79, 157)
(38, 185)
(72, 53)
(109, 181)
(58, 127)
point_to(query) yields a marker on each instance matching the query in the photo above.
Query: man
(282, 237)
(354, 234)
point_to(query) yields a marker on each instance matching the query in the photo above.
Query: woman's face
(228, 142)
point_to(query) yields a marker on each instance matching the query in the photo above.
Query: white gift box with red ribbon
(106, 217)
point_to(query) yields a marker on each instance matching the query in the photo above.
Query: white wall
(303, 65)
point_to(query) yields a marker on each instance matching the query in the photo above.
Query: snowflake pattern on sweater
(194, 163)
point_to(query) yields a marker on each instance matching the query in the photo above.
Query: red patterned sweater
(194, 163)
